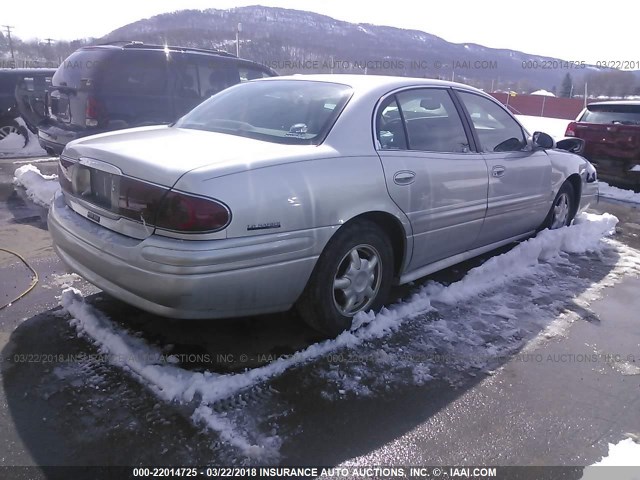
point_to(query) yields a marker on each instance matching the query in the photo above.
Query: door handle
(498, 171)
(404, 177)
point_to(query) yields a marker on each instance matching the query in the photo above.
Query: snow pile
(172, 383)
(583, 236)
(556, 127)
(203, 389)
(40, 188)
(623, 454)
(615, 193)
(13, 144)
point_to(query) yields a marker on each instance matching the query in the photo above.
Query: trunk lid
(162, 154)
(114, 178)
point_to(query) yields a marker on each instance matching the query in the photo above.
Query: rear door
(432, 172)
(520, 194)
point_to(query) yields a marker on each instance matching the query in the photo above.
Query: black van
(110, 87)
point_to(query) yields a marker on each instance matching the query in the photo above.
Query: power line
(9, 27)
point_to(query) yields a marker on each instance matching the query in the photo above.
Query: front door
(519, 178)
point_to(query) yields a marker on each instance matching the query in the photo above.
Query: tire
(12, 127)
(337, 289)
(563, 208)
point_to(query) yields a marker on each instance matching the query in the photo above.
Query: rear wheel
(352, 275)
(563, 209)
(13, 136)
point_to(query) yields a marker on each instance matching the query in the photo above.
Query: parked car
(611, 131)
(317, 191)
(112, 87)
(22, 94)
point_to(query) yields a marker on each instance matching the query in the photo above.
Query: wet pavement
(544, 371)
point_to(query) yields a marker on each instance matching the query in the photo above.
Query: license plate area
(96, 187)
(59, 107)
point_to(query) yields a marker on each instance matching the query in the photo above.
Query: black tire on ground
(322, 306)
(11, 126)
(565, 194)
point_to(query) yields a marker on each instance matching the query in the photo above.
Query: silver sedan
(319, 192)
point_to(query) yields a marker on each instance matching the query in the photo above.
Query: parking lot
(539, 368)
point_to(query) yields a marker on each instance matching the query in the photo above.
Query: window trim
(525, 134)
(462, 115)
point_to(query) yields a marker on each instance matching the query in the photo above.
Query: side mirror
(542, 140)
(573, 145)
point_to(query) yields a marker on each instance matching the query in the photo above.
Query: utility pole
(49, 40)
(238, 30)
(13, 58)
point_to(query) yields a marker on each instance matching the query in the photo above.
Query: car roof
(133, 45)
(123, 46)
(616, 102)
(372, 82)
(27, 71)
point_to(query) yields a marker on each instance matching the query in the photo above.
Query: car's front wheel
(563, 209)
(353, 274)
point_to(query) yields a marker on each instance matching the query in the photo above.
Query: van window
(215, 75)
(134, 74)
(249, 73)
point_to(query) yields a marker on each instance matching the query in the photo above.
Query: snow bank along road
(530, 355)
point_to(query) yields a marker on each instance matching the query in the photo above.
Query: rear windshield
(616, 114)
(78, 69)
(282, 111)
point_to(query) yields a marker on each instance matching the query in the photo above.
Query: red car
(611, 131)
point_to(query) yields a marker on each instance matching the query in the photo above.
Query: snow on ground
(492, 312)
(623, 454)
(553, 126)
(40, 188)
(608, 191)
(13, 145)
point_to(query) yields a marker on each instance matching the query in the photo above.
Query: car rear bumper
(622, 171)
(55, 138)
(189, 279)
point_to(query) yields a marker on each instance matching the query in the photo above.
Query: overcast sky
(589, 31)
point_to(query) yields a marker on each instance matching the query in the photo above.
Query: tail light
(170, 210)
(571, 130)
(153, 205)
(190, 214)
(95, 114)
(64, 174)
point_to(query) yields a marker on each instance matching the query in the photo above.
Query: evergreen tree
(567, 86)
